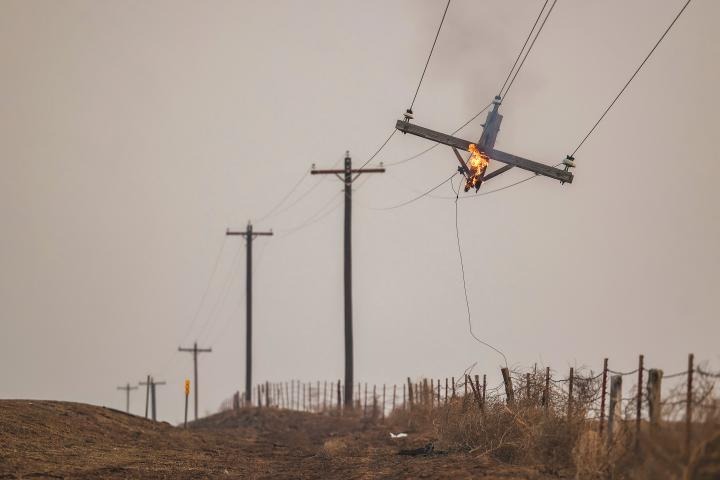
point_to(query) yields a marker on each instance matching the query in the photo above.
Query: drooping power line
(637, 70)
(442, 20)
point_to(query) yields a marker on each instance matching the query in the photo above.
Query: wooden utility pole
(249, 235)
(154, 397)
(195, 350)
(150, 395)
(127, 389)
(146, 384)
(348, 179)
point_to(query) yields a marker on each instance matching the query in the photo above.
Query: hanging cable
(462, 268)
(637, 70)
(442, 20)
(419, 196)
(542, 25)
(523, 47)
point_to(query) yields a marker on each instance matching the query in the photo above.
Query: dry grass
(563, 440)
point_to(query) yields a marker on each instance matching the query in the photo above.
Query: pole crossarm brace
(507, 158)
(198, 350)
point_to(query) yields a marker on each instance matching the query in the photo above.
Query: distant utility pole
(147, 384)
(348, 179)
(150, 395)
(249, 235)
(127, 389)
(195, 350)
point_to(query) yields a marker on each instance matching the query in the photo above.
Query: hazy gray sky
(132, 133)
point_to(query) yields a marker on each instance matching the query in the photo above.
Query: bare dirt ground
(45, 439)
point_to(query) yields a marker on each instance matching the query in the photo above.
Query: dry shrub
(561, 439)
(334, 447)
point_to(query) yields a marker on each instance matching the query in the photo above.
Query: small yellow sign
(187, 387)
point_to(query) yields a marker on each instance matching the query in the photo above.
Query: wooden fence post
(602, 396)
(614, 412)
(453, 387)
(325, 396)
(527, 387)
(446, 390)
(410, 393)
(394, 395)
(475, 391)
(570, 392)
(432, 393)
(654, 384)
(638, 413)
(383, 403)
(267, 394)
(508, 386)
(438, 393)
(404, 402)
(689, 405)
(365, 398)
(339, 399)
(374, 404)
(425, 391)
(484, 388)
(546, 390)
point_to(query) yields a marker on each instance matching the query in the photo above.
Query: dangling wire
(462, 268)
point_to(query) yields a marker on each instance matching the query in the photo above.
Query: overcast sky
(132, 133)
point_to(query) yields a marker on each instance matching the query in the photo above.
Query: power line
(376, 152)
(283, 199)
(220, 302)
(419, 196)
(437, 34)
(314, 218)
(462, 268)
(523, 47)
(429, 55)
(529, 48)
(632, 77)
(207, 288)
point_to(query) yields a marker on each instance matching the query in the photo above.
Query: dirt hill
(44, 439)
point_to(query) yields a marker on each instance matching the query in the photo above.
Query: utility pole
(127, 389)
(147, 384)
(150, 385)
(484, 151)
(195, 350)
(348, 179)
(249, 235)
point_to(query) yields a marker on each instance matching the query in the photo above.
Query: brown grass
(565, 441)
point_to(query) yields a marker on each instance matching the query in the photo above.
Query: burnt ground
(45, 439)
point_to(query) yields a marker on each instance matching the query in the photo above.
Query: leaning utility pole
(348, 179)
(249, 235)
(195, 350)
(127, 389)
(484, 151)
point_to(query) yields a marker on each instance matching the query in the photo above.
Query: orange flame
(477, 164)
